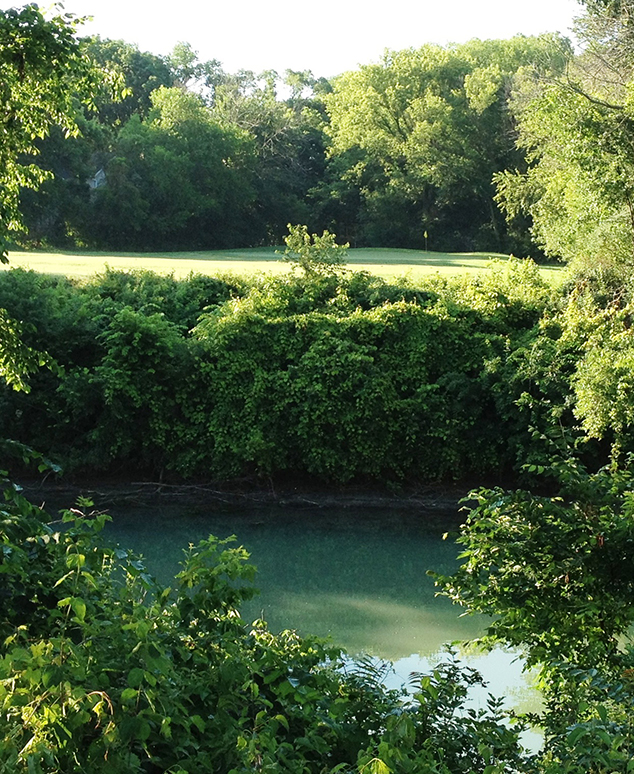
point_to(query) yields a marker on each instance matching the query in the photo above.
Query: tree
(577, 130)
(314, 254)
(43, 71)
(140, 72)
(288, 140)
(60, 212)
(177, 180)
(433, 126)
(190, 73)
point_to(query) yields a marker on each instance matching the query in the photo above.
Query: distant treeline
(336, 376)
(183, 156)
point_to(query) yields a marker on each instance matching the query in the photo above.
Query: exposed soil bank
(431, 502)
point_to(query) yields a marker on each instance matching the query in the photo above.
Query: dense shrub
(555, 575)
(54, 315)
(338, 376)
(181, 301)
(392, 390)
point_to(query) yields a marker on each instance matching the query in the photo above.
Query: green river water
(358, 576)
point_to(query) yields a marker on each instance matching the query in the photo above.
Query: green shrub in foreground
(555, 575)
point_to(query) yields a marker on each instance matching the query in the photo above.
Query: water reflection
(379, 625)
(357, 576)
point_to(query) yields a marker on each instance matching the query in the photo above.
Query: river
(356, 575)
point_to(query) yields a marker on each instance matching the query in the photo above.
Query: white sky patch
(328, 37)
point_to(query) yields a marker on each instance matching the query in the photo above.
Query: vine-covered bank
(336, 375)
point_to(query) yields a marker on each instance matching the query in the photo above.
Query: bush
(340, 376)
(555, 574)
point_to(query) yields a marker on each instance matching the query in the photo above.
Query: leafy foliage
(314, 254)
(603, 379)
(16, 359)
(176, 180)
(573, 600)
(576, 130)
(42, 73)
(338, 375)
(433, 128)
(424, 132)
(555, 571)
(141, 73)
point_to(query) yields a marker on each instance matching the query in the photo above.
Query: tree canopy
(380, 155)
(43, 71)
(432, 126)
(577, 130)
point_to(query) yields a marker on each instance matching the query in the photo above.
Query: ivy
(339, 376)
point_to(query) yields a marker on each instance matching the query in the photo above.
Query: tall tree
(578, 132)
(288, 139)
(43, 71)
(141, 73)
(433, 125)
(60, 212)
(178, 180)
(190, 73)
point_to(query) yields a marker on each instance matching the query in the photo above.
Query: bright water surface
(358, 576)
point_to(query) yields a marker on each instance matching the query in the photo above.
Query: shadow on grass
(421, 257)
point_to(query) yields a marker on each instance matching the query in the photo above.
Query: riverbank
(432, 502)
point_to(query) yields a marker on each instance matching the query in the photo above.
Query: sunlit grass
(385, 262)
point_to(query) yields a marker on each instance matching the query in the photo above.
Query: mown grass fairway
(382, 261)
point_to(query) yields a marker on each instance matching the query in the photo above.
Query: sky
(326, 37)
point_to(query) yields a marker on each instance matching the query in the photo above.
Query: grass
(386, 262)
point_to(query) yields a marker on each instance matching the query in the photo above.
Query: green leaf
(576, 734)
(79, 607)
(75, 560)
(144, 731)
(61, 580)
(135, 677)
